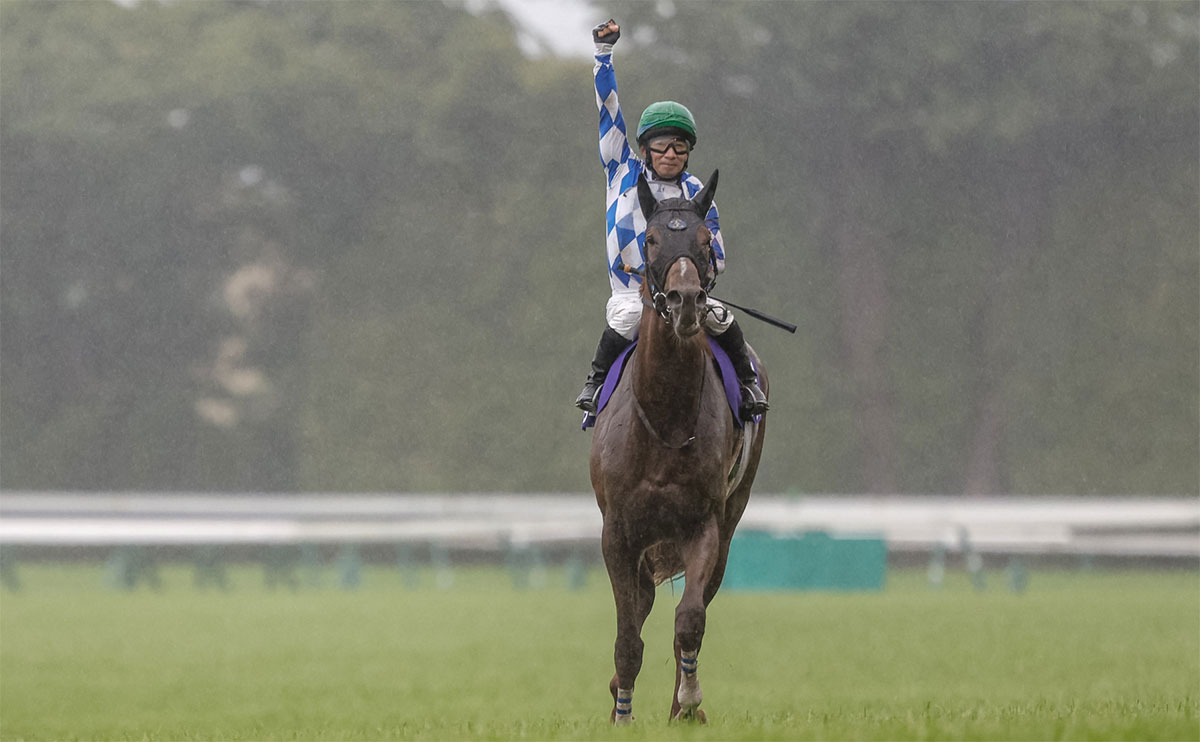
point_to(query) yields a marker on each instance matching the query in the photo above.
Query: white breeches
(624, 313)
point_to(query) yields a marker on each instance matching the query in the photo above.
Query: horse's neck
(669, 372)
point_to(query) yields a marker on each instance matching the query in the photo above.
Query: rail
(1101, 526)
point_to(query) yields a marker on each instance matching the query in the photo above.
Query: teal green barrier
(808, 561)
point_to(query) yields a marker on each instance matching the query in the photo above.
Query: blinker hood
(677, 220)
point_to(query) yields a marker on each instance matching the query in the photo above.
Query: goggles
(660, 145)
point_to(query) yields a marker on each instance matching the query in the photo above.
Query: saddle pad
(733, 390)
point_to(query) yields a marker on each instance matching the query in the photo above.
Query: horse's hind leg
(700, 557)
(633, 591)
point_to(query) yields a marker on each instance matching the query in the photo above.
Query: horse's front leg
(700, 558)
(633, 591)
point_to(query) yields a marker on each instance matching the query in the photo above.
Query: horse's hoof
(622, 721)
(694, 714)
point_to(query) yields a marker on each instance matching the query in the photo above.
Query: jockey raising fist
(606, 33)
(664, 139)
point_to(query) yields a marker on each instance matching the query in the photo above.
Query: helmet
(666, 115)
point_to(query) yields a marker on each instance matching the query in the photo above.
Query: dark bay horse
(671, 468)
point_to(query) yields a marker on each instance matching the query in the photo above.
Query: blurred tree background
(357, 246)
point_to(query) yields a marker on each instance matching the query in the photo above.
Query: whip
(752, 312)
(760, 315)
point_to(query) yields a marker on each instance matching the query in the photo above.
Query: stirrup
(754, 402)
(590, 395)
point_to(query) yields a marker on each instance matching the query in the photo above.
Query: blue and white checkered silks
(625, 226)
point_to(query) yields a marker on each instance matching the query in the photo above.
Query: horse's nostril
(701, 299)
(674, 299)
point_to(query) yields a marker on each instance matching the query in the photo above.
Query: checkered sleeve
(691, 186)
(614, 142)
(718, 241)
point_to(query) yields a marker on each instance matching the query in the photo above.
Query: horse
(671, 467)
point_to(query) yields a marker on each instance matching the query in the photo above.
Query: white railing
(1120, 526)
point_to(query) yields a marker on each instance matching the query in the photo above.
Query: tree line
(358, 246)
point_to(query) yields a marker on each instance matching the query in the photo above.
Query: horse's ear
(703, 200)
(646, 197)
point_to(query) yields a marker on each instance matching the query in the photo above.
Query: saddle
(729, 381)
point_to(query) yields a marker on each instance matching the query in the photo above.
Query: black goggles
(660, 145)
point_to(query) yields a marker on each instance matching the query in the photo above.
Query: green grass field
(1080, 655)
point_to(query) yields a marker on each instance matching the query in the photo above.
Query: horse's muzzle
(685, 309)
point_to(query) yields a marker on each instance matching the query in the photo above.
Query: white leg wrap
(624, 706)
(689, 684)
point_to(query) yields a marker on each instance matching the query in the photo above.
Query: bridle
(655, 272)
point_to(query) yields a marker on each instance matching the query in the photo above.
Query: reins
(641, 413)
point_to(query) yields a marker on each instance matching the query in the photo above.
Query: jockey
(666, 135)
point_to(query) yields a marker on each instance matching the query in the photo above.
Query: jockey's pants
(624, 314)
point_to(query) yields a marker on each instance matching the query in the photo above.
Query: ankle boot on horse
(733, 342)
(610, 346)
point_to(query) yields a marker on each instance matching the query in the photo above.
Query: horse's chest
(633, 460)
(664, 475)
(670, 482)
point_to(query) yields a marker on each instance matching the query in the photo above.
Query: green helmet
(666, 114)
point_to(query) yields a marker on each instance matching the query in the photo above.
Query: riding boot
(754, 402)
(611, 345)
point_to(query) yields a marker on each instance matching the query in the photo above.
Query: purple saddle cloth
(733, 390)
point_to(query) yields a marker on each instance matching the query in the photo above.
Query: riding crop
(760, 315)
(752, 312)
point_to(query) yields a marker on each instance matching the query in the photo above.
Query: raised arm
(614, 141)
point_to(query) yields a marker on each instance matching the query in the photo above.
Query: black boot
(754, 402)
(611, 345)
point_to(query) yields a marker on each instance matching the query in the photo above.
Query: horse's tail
(665, 561)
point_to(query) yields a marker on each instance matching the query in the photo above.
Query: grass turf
(1084, 655)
